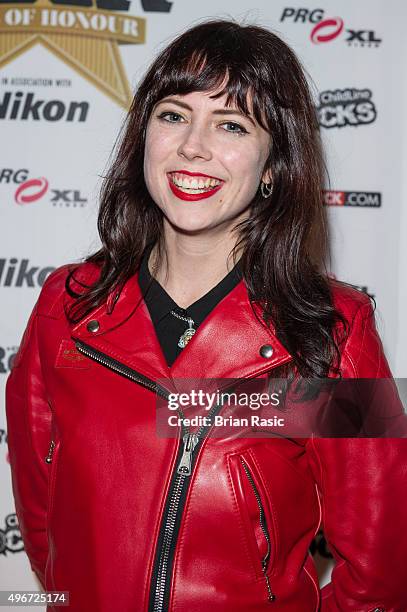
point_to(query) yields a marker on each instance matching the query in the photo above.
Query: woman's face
(203, 161)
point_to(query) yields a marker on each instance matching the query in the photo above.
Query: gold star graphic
(87, 39)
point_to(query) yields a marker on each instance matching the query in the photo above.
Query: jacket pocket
(256, 517)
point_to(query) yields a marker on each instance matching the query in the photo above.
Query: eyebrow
(219, 111)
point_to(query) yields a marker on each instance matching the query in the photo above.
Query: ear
(267, 177)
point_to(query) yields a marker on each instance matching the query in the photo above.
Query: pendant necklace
(188, 333)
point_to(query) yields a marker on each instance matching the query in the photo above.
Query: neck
(194, 265)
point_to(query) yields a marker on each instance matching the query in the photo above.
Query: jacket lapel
(228, 344)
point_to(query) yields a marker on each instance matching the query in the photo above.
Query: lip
(191, 197)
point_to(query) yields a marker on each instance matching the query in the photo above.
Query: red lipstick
(191, 197)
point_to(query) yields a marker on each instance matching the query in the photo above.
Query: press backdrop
(66, 75)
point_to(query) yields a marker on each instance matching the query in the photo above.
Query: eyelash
(241, 128)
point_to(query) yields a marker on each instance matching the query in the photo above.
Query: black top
(168, 327)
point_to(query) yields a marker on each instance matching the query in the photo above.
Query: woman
(211, 267)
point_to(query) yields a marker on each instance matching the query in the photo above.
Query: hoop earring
(266, 189)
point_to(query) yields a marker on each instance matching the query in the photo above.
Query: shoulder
(349, 300)
(361, 349)
(55, 292)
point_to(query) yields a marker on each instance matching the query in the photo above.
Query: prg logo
(360, 199)
(31, 190)
(327, 29)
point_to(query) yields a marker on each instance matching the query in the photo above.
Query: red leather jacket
(105, 515)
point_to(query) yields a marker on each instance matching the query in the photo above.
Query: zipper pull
(190, 441)
(271, 596)
(48, 458)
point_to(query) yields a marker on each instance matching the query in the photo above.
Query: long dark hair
(285, 240)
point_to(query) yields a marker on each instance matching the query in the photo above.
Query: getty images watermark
(261, 407)
(209, 401)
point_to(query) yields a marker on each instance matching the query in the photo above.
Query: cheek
(246, 158)
(155, 149)
(245, 167)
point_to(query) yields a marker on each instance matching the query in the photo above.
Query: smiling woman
(211, 276)
(195, 152)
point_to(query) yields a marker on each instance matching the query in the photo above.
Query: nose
(194, 143)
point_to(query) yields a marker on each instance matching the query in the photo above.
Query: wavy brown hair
(285, 240)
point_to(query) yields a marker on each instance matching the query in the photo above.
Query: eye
(163, 116)
(240, 129)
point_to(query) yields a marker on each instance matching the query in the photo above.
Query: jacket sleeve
(362, 484)
(29, 432)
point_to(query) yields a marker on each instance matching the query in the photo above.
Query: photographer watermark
(277, 407)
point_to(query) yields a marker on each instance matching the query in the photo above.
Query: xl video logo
(327, 29)
(10, 537)
(343, 107)
(364, 199)
(31, 190)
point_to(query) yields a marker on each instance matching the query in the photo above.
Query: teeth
(194, 184)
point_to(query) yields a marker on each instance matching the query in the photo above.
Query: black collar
(160, 303)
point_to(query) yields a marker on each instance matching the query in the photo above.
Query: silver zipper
(48, 458)
(121, 368)
(184, 466)
(263, 524)
(183, 471)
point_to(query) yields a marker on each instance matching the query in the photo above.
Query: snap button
(93, 326)
(266, 351)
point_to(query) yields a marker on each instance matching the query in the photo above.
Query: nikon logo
(18, 273)
(24, 106)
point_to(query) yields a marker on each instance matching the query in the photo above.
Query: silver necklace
(188, 333)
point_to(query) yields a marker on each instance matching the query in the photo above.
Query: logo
(87, 38)
(327, 29)
(364, 199)
(6, 363)
(17, 273)
(24, 106)
(31, 190)
(344, 107)
(10, 536)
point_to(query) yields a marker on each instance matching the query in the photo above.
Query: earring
(266, 189)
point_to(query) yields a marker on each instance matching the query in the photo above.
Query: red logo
(327, 30)
(31, 190)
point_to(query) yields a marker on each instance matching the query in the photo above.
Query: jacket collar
(226, 345)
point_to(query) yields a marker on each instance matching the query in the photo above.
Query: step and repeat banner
(67, 72)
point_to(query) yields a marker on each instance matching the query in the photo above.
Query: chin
(188, 225)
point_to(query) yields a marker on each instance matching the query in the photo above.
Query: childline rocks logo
(7, 355)
(17, 273)
(344, 107)
(85, 34)
(327, 29)
(24, 106)
(364, 199)
(10, 537)
(31, 190)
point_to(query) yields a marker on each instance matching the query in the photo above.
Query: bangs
(207, 69)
